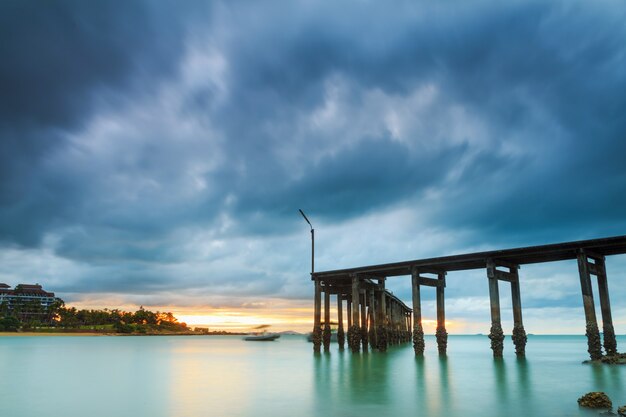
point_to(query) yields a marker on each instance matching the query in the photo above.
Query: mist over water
(225, 376)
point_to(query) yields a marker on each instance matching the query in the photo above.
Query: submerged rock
(622, 410)
(595, 400)
(615, 359)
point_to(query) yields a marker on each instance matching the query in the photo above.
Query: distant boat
(262, 337)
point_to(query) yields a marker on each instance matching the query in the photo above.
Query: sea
(223, 376)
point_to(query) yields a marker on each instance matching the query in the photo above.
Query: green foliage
(123, 328)
(4, 309)
(34, 316)
(142, 321)
(9, 324)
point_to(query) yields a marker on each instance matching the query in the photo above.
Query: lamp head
(305, 218)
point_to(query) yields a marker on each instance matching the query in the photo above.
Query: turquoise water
(225, 376)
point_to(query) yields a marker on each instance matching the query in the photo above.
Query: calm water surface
(225, 376)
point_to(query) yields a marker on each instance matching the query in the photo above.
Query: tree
(4, 309)
(54, 310)
(143, 316)
(9, 324)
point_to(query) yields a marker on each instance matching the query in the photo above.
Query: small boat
(262, 337)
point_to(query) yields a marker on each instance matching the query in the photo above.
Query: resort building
(26, 300)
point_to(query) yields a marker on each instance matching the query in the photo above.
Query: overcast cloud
(159, 152)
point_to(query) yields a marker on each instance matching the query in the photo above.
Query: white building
(26, 299)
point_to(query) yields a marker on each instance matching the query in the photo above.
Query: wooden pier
(377, 318)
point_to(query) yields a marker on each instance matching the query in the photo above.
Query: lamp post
(317, 329)
(312, 242)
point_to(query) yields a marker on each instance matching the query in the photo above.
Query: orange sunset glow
(299, 320)
(230, 320)
(281, 315)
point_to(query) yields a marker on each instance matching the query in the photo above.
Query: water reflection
(224, 376)
(421, 386)
(322, 380)
(432, 387)
(525, 392)
(344, 381)
(433, 378)
(446, 400)
(469, 383)
(499, 372)
(606, 377)
(522, 376)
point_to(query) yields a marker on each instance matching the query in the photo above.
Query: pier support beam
(442, 334)
(349, 310)
(341, 336)
(326, 334)
(592, 332)
(354, 332)
(519, 334)
(391, 326)
(410, 324)
(418, 330)
(495, 334)
(372, 319)
(405, 326)
(610, 344)
(364, 335)
(317, 330)
(381, 331)
(409, 328)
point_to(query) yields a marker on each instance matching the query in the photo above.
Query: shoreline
(88, 333)
(29, 334)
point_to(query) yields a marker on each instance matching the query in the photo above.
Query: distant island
(29, 308)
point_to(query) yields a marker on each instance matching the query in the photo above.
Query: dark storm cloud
(360, 179)
(545, 77)
(124, 128)
(59, 55)
(60, 60)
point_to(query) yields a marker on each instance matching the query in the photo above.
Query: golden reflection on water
(433, 385)
(199, 382)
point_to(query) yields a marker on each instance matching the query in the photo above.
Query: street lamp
(312, 242)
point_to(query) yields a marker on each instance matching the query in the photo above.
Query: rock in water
(622, 410)
(595, 400)
(614, 359)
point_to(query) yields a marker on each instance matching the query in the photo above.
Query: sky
(157, 153)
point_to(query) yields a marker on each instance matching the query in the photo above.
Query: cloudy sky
(156, 153)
